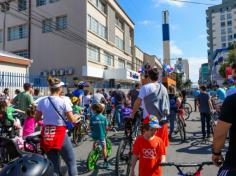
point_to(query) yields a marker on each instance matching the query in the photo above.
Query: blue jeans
(205, 120)
(172, 119)
(68, 156)
(118, 115)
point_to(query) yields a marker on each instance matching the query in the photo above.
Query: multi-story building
(203, 74)
(221, 30)
(182, 65)
(83, 38)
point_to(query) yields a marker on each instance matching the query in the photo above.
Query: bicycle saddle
(34, 139)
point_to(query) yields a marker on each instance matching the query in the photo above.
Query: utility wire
(194, 2)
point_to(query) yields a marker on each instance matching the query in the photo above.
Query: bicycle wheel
(188, 110)
(109, 147)
(181, 129)
(123, 157)
(77, 137)
(92, 160)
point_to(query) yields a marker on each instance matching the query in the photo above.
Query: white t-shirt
(50, 116)
(146, 90)
(86, 100)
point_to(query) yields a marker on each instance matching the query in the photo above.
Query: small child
(99, 125)
(8, 110)
(149, 149)
(30, 123)
(126, 110)
(76, 108)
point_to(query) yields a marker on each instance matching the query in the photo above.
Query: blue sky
(187, 28)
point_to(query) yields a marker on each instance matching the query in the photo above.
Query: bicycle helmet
(29, 165)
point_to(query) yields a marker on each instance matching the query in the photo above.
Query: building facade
(204, 74)
(221, 30)
(86, 38)
(182, 65)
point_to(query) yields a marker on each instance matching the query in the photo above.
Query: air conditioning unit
(61, 72)
(53, 72)
(69, 71)
(44, 73)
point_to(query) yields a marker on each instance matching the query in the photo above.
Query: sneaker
(106, 165)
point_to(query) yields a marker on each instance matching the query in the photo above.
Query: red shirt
(149, 152)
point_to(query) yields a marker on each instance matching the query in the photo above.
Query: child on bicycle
(30, 122)
(149, 149)
(76, 108)
(126, 115)
(6, 115)
(99, 125)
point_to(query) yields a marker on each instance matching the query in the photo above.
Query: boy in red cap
(149, 149)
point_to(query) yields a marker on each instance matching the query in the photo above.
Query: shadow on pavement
(82, 167)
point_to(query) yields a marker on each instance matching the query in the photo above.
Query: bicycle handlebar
(187, 164)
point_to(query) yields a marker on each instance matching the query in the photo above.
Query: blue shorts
(101, 142)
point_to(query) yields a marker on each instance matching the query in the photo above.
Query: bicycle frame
(185, 165)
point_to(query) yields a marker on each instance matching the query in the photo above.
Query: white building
(221, 30)
(182, 65)
(82, 38)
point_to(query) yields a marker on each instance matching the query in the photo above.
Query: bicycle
(213, 121)
(124, 152)
(180, 125)
(79, 130)
(184, 165)
(187, 110)
(95, 154)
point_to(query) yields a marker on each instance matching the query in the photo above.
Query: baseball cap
(152, 121)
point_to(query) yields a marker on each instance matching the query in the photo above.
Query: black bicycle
(187, 110)
(124, 152)
(180, 167)
(180, 126)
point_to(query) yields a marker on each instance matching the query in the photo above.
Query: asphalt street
(193, 150)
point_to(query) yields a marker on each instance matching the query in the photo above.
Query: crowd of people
(55, 113)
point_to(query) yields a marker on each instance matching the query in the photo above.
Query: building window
(1, 36)
(23, 53)
(99, 4)
(17, 32)
(229, 16)
(121, 63)
(108, 59)
(223, 45)
(230, 37)
(230, 31)
(96, 27)
(93, 53)
(40, 2)
(129, 65)
(223, 38)
(47, 26)
(52, 1)
(229, 23)
(235, 35)
(61, 22)
(223, 31)
(22, 5)
(119, 43)
(119, 23)
(222, 17)
(222, 24)
(230, 44)
(102, 31)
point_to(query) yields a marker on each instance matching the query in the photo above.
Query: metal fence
(15, 81)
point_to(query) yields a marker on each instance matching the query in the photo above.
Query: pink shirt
(29, 126)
